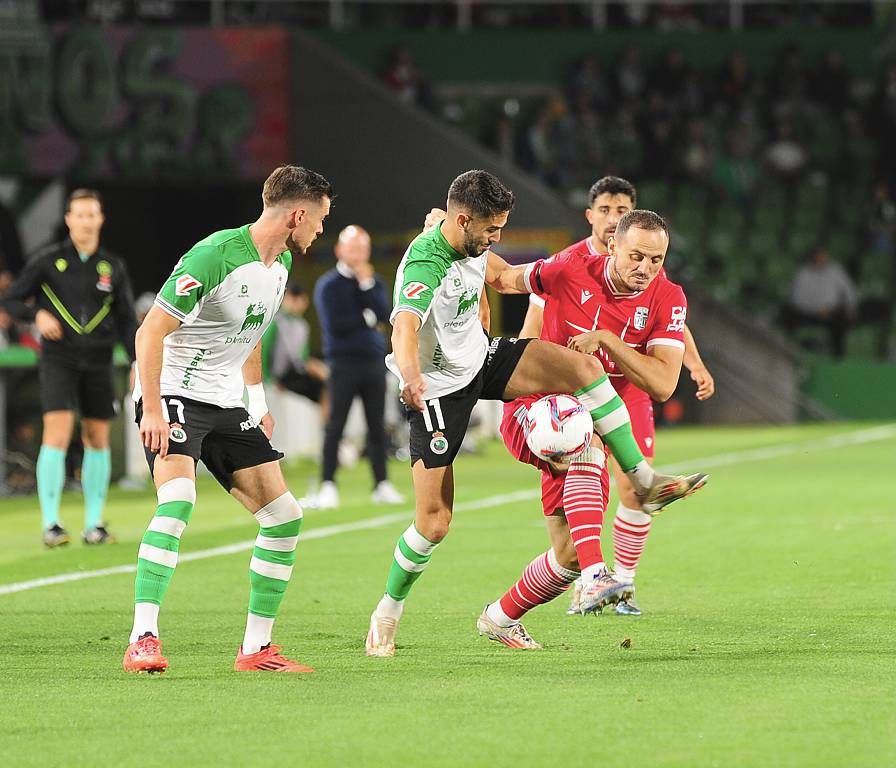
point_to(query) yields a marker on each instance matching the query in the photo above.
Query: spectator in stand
(630, 78)
(404, 77)
(736, 81)
(551, 143)
(823, 295)
(351, 302)
(831, 82)
(588, 85)
(286, 351)
(698, 157)
(736, 173)
(786, 157)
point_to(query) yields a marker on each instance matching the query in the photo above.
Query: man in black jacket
(83, 304)
(351, 301)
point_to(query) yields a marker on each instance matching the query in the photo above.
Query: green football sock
(611, 422)
(95, 471)
(157, 557)
(410, 558)
(275, 552)
(50, 479)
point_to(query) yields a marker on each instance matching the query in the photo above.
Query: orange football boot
(145, 655)
(268, 659)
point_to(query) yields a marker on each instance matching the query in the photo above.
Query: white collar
(346, 271)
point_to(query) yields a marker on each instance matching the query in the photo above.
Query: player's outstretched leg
(542, 580)
(156, 561)
(270, 570)
(547, 367)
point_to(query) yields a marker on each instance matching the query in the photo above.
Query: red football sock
(542, 580)
(584, 502)
(630, 529)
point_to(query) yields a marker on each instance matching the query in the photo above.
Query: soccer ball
(558, 428)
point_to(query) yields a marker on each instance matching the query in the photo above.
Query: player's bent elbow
(663, 393)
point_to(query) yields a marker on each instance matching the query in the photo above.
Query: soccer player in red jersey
(620, 307)
(612, 197)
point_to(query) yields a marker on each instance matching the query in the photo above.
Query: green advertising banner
(127, 102)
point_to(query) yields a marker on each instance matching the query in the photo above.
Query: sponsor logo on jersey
(177, 434)
(466, 302)
(586, 295)
(61, 265)
(254, 317)
(248, 424)
(186, 283)
(677, 322)
(439, 444)
(414, 290)
(640, 319)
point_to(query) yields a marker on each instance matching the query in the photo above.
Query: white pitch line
(858, 437)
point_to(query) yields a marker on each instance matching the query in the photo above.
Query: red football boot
(145, 655)
(268, 659)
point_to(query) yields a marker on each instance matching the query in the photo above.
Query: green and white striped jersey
(225, 298)
(442, 287)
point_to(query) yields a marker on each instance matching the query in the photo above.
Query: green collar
(453, 254)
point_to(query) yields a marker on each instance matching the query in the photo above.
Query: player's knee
(434, 528)
(283, 513)
(589, 368)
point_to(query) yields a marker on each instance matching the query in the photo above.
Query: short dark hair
(641, 219)
(481, 194)
(82, 193)
(296, 289)
(292, 182)
(612, 185)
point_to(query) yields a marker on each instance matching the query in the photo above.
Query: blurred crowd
(731, 127)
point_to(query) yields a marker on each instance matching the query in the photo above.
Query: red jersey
(583, 298)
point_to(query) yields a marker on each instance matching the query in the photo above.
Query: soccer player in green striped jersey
(445, 364)
(197, 347)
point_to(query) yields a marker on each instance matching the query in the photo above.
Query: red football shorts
(515, 440)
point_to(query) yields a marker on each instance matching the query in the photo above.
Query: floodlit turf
(767, 637)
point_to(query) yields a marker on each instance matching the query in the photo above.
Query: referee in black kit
(83, 305)
(351, 301)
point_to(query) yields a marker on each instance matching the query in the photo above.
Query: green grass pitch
(767, 637)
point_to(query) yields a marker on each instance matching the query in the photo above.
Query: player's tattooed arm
(405, 347)
(505, 278)
(700, 374)
(656, 372)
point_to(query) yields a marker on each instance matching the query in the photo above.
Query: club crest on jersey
(176, 434)
(254, 317)
(466, 302)
(414, 290)
(439, 444)
(186, 283)
(640, 319)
